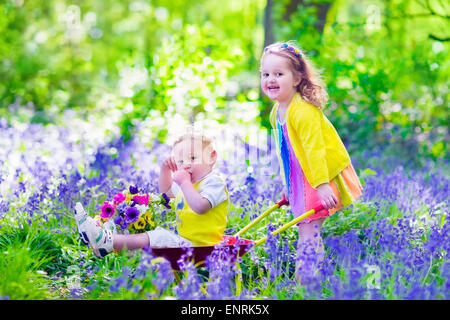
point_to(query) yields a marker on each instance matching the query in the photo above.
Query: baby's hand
(326, 196)
(170, 164)
(181, 176)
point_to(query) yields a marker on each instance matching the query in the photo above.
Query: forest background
(143, 67)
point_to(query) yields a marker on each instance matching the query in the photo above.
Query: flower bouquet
(131, 211)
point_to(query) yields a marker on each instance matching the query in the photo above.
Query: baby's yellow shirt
(201, 229)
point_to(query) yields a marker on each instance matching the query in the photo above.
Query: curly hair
(311, 86)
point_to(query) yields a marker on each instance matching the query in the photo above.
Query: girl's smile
(273, 89)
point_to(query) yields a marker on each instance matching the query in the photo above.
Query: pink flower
(107, 210)
(141, 199)
(118, 198)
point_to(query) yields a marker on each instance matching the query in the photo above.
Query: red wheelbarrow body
(231, 246)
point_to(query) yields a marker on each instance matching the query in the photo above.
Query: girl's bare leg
(309, 241)
(130, 241)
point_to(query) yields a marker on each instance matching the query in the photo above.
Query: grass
(23, 267)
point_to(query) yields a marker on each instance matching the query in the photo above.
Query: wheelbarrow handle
(291, 223)
(283, 202)
(277, 205)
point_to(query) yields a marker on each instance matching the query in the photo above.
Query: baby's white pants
(163, 238)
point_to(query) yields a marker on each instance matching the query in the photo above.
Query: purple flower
(4, 207)
(131, 215)
(189, 287)
(166, 200)
(165, 276)
(133, 190)
(121, 208)
(121, 222)
(122, 281)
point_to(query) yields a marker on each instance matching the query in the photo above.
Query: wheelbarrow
(233, 245)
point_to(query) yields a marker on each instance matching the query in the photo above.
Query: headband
(294, 51)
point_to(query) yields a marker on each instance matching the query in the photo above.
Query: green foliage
(143, 59)
(44, 248)
(26, 257)
(386, 73)
(20, 278)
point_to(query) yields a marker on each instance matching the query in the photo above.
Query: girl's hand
(181, 176)
(170, 164)
(326, 196)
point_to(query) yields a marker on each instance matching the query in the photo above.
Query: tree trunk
(268, 24)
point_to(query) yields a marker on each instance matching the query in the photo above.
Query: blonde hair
(193, 136)
(198, 141)
(311, 86)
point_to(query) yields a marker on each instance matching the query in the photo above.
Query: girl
(315, 165)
